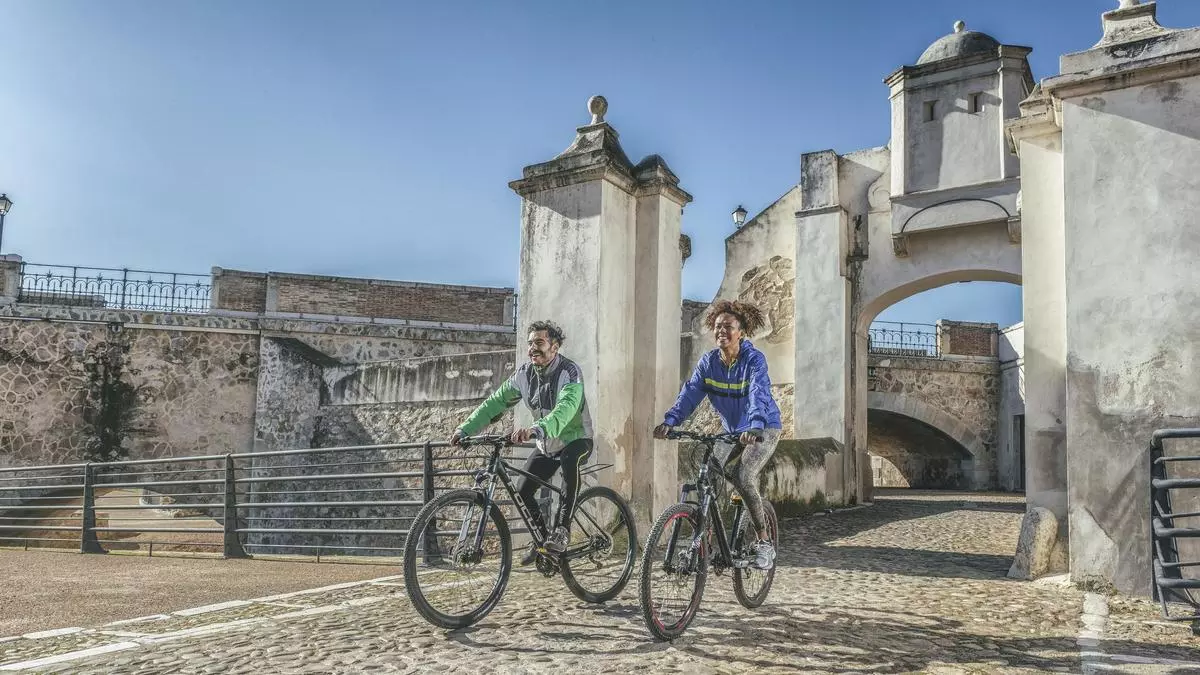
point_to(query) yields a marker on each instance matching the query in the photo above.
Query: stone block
(1035, 548)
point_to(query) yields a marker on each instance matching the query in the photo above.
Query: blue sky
(376, 139)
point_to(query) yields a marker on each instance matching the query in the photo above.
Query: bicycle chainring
(547, 566)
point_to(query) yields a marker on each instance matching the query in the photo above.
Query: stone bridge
(942, 417)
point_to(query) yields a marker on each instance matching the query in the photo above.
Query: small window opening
(975, 103)
(930, 110)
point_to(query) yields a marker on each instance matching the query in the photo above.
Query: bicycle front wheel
(672, 574)
(751, 585)
(599, 560)
(454, 577)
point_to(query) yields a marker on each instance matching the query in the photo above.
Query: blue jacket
(741, 393)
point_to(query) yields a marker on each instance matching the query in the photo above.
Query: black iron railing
(339, 501)
(123, 289)
(1174, 579)
(890, 338)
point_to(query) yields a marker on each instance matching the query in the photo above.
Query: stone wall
(96, 387)
(83, 384)
(958, 397)
(906, 453)
(47, 391)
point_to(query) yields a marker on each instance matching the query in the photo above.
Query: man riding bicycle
(734, 378)
(552, 387)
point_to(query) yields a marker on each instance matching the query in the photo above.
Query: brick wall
(962, 338)
(391, 300)
(235, 290)
(239, 291)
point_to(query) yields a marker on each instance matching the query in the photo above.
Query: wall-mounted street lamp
(739, 216)
(5, 205)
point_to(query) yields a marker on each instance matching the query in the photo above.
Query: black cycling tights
(572, 459)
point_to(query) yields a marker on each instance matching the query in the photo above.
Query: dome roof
(959, 43)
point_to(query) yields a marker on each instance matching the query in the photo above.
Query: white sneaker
(764, 555)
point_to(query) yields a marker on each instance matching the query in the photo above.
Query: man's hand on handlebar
(749, 438)
(456, 438)
(519, 436)
(661, 431)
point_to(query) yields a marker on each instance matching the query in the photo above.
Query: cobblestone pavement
(914, 583)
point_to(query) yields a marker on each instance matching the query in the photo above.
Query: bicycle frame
(498, 468)
(709, 511)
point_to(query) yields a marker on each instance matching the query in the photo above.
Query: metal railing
(355, 500)
(1169, 582)
(891, 338)
(125, 289)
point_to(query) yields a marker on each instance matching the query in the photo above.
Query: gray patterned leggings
(746, 468)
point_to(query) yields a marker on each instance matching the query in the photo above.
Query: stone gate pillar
(600, 256)
(824, 402)
(1037, 140)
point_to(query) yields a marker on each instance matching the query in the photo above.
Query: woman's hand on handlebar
(661, 431)
(749, 438)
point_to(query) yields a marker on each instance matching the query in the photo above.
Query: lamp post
(739, 216)
(5, 205)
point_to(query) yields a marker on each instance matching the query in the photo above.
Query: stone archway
(954, 465)
(911, 406)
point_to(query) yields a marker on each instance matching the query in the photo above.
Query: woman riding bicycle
(734, 378)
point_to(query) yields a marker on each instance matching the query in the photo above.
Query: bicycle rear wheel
(451, 581)
(602, 526)
(751, 585)
(672, 575)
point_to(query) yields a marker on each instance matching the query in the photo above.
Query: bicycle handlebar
(499, 440)
(676, 434)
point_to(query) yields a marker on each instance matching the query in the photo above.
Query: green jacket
(554, 395)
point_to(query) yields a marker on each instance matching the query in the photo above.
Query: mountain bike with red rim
(680, 548)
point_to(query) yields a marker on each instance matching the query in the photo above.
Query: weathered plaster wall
(1010, 440)
(823, 322)
(760, 269)
(957, 147)
(1133, 348)
(427, 379)
(1043, 302)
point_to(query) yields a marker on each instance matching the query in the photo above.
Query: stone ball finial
(959, 26)
(597, 106)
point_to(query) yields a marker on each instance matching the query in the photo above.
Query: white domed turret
(961, 42)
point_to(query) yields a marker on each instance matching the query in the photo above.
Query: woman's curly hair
(748, 316)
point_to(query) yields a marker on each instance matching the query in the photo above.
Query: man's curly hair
(552, 330)
(748, 316)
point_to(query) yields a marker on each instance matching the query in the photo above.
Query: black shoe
(557, 542)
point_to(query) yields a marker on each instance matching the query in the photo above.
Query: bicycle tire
(665, 520)
(752, 601)
(630, 555)
(412, 584)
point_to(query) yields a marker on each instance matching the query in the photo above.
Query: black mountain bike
(679, 550)
(458, 554)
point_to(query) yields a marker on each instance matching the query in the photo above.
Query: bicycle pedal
(742, 564)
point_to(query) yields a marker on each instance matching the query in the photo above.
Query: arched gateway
(1085, 169)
